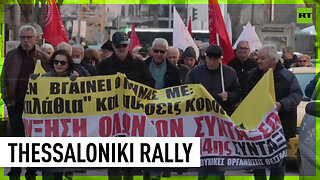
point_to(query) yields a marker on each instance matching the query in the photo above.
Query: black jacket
(288, 62)
(172, 76)
(243, 69)
(134, 69)
(211, 80)
(288, 93)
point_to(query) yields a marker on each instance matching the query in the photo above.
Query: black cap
(119, 38)
(143, 51)
(214, 51)
(107, 45)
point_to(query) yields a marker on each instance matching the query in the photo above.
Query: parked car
(304, 75)
(309, 155)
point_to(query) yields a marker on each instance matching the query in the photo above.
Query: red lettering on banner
(52, 128)
(116, 125)
(229, 125)
(207, 146)
(65, 127)
(210, 124)
(126, 123)
(222, 129)
(227, 148)
(37, 129)
(162, 128)
(199, 127)
(138, 126)
(109, 126)
(80, 127)
(28, 127)
(176, 130)
(272, 124)
(241, 134)
(218, 147)
(105, 124)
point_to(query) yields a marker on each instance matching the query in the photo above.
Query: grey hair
(288, 49)
(160, 41)
(271, 50)
(243, 41)
(172, 47)
(65, 46)
(47, 46)
(78, 46)
(27, 28)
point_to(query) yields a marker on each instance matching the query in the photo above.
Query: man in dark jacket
(243, 65)
(165, 73)
(288, 96)
(209, 75)
(18, 66)
(173, 56)
(122, 61)
(289, 57)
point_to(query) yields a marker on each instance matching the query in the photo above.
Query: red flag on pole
(134, 40)
(217, 26)
(54, 31)
(190, 28)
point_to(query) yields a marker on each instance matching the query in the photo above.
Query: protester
(288, 57)
(189, 57)
(144, 53)
(198, 43)
(65, 46)
(77, 56)
(106, 50)
(254, 55)
(122, 61)
(173, 56)
(19, 64)
(288, 96)
(209, 75)
(61, 65)
(304, 61)
(165, 73)
(91, 57)
(242, 64)
(47, 48)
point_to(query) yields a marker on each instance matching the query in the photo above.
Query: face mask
(77, 61)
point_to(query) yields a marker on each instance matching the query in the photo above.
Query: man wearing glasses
(242, 64)
(123, 62)
(19, 64)
(165, 73)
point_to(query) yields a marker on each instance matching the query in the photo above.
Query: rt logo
(304, 15)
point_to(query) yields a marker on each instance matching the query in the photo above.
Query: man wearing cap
(209, 75)
(189, 57)
(123, 62)
(243, 65)
(106, 50)
(165, 73)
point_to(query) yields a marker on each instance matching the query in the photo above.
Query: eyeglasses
(157, 51)
(303, 61)
(56, 62)
(121, 45)
(243, 48)
(26, 37)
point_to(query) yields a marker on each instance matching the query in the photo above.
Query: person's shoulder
(12, 52)
(233, 62)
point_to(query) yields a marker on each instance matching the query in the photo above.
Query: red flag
(217, 26)
(134, 40)
(190, 28)
(54, 31)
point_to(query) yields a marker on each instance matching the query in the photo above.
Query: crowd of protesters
(159, 66)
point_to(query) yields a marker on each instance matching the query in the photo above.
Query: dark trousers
(16, 129)
(117, 173)
(277, 172)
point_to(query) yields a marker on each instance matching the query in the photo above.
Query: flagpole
(221, 70)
